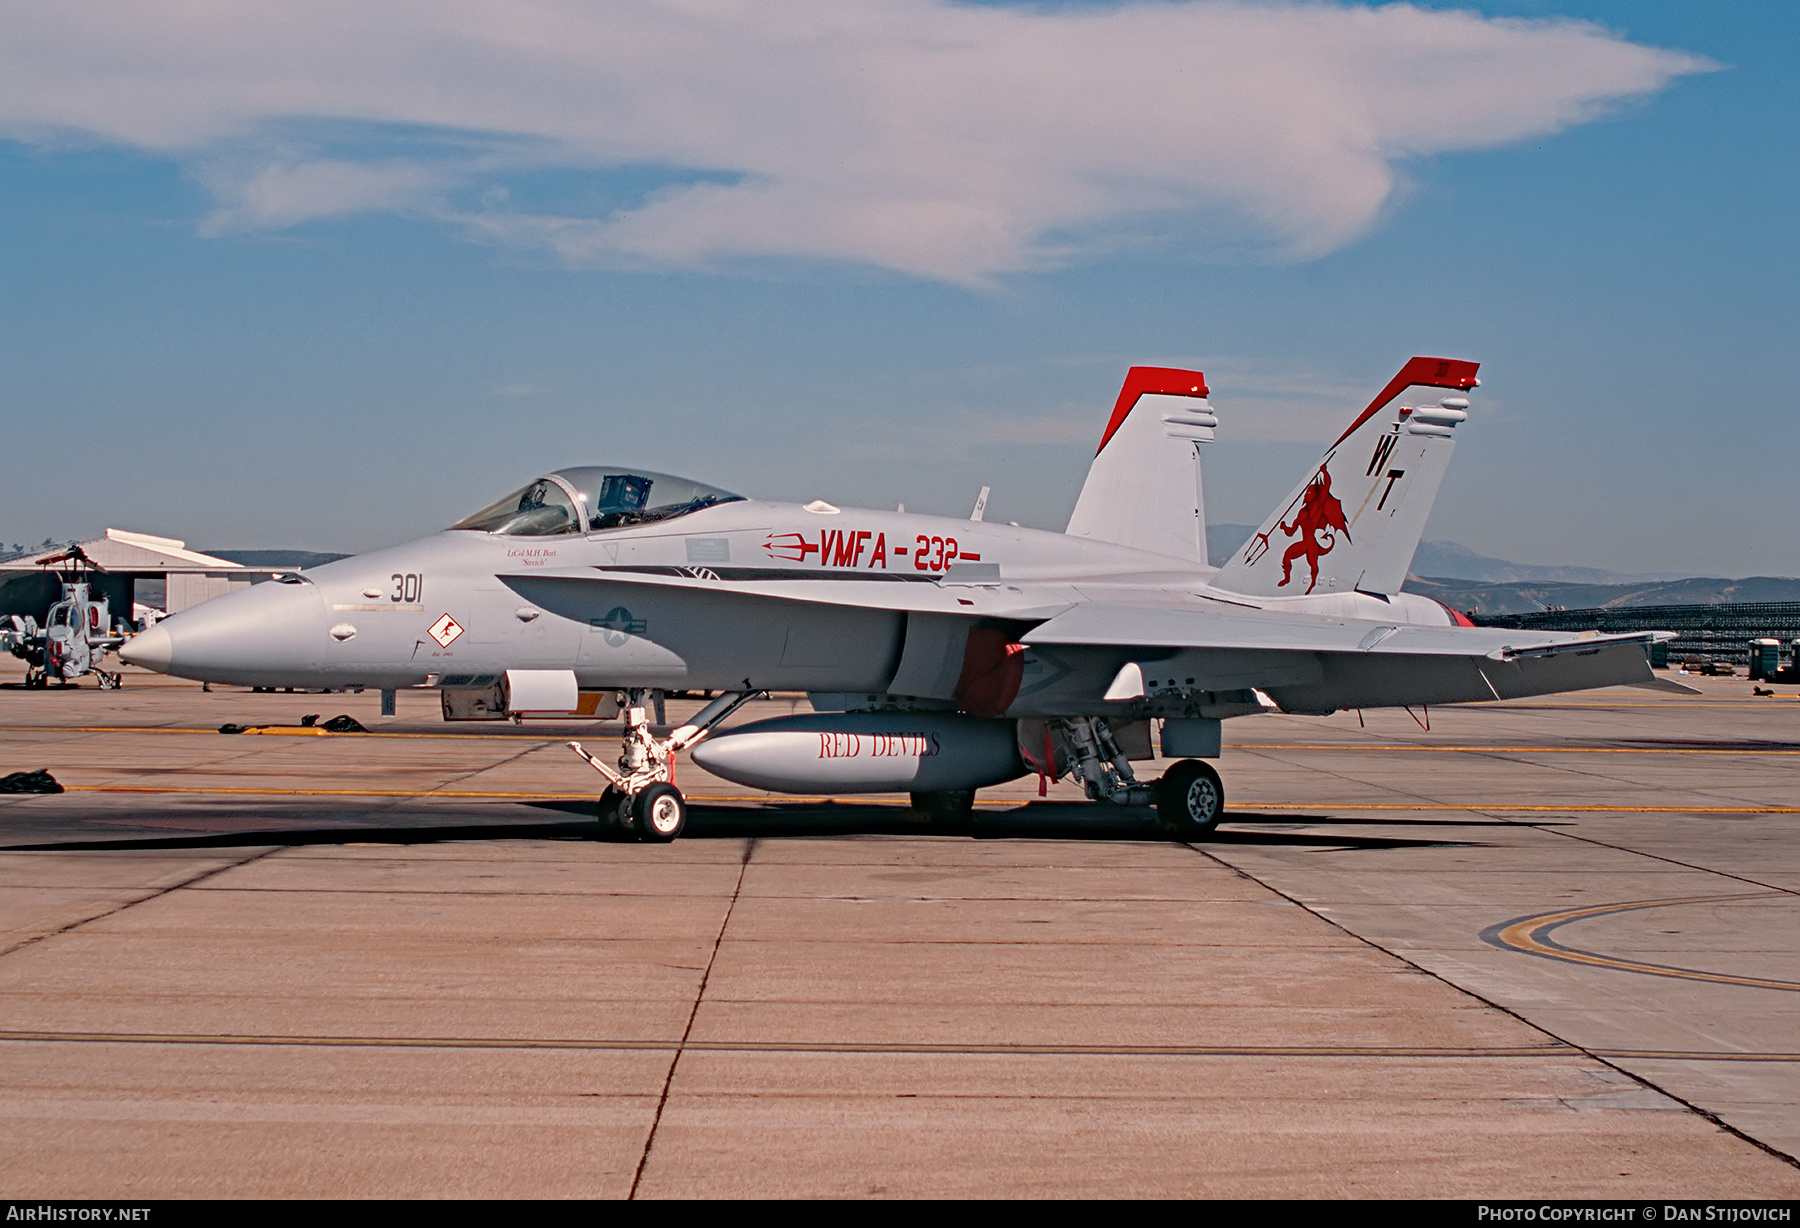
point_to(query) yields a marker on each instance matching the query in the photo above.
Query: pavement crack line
(498, 763)
(1506, 818)
(201, 877)
(1666, 860)
(1407, 740)
(662, 1101)
(1591, 1054)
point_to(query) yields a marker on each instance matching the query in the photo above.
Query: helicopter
(78, 630)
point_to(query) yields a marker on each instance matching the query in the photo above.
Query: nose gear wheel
(641, 796)
(659, 813)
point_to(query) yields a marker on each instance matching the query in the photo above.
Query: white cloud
(1260, 403)
(283, 193)
(946, 141)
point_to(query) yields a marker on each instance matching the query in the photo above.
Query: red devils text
(878, 745)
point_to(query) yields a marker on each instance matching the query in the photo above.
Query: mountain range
(1465, 580)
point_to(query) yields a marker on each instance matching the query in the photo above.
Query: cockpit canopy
(594, 497)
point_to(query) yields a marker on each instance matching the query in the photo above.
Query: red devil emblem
(1318, 521)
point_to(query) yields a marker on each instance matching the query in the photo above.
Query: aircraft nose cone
(265, 635)
(150, 649)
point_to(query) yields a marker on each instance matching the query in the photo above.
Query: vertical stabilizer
(1143, 489)
(1355, 521)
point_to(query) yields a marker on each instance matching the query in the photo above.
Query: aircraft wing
(1252, 629)
(1321, 665)
(1306, 663)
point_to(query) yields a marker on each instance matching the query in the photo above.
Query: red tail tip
(1425, 372)
(1436, 373)
(1153, 381)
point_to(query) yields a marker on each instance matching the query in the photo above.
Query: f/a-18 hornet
(941, 655)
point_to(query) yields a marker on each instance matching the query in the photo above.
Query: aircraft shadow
(1065, 821)
(1060, 821)
(439, 834)
(1718, 744)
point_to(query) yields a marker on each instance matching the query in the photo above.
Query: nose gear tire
(1190, 799)
(612, 812)
(659, 813)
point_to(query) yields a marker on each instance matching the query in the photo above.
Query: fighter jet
(941, 655)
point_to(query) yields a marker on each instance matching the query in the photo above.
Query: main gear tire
(659, 813)
(1190, 799)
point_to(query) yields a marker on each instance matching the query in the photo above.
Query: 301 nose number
(407, 587)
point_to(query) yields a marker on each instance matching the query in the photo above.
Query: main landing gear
(641, 798)
(1189, 799)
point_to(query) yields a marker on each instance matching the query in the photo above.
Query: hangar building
(29, 586)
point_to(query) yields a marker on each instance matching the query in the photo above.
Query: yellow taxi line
(794, 1046)
(881, 800)
(1508, 808)
(1513, 750)
(498, 795)
(1554, 1049)
(549, 736)
(287, 730)
(1531, 935)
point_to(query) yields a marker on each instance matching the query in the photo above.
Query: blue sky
(227, 317)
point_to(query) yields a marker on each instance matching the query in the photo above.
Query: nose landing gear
(641, 797)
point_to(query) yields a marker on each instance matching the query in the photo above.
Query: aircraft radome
(941, 655)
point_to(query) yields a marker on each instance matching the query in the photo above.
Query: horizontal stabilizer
(1668, 686)
(1226, 627)
(1313, 665)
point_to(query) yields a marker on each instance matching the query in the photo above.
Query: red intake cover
(993, 667)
